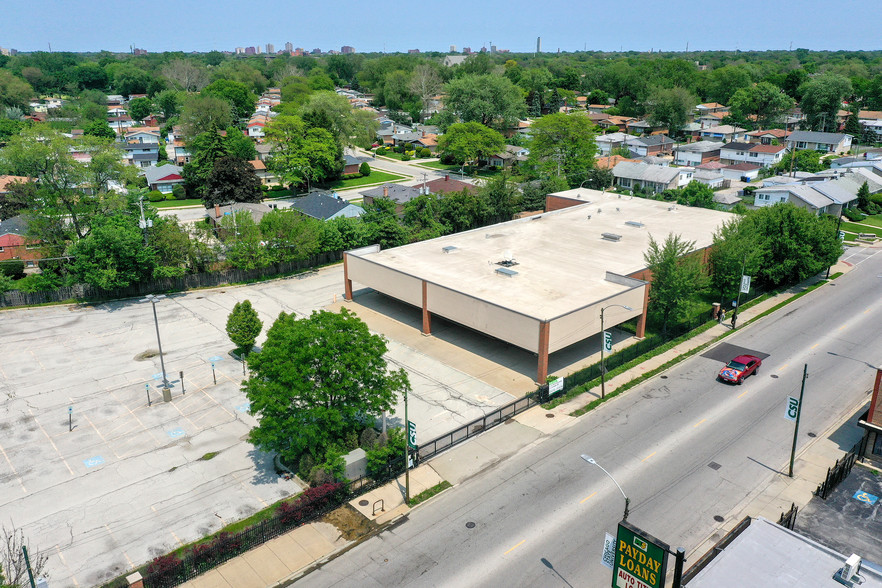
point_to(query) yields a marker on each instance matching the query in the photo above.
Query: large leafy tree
(488, 99)
(186, 74)
(201, 114)
(760, 106)
(696, 194)
(349, 126)
(113, 255)
(289, 235)
(734, 253)
(563, 144)
(242, 241)
(301, 153)
(14, 91)
(676, 277)
(140, 108)
(317, 379)
(469, 142)
(822, 98)
(243, 326)
(806, 160)
(231, 180)
(670, 107)
(206, 148)
(237, 94)
(723, 82)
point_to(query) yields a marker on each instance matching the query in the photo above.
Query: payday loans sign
(641, 559)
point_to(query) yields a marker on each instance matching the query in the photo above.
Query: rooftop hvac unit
(849, 575)
(637, 224)
(611, 237)
(449, 248)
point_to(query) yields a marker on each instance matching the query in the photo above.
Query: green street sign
(641, 559)
(411, 434)
(607, 341)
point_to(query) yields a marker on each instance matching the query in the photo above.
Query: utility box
(356, 463)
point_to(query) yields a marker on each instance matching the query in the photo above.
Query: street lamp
(152, 298)
(603, 346)
(590, 460)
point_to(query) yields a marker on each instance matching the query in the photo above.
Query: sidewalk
(283, 560)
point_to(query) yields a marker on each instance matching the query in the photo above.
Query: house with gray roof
(651, 145)
(821, 195)
(395, 192)
(163, 177)
(817, 141)
(697, 153)
(653, 178)
(326, 206)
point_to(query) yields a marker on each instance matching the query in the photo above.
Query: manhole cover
(774, 376)
(664, 377)
(812, 435)
(363, 503)
(549, 415)
(714, 465)
(470, 525)
(718, 518)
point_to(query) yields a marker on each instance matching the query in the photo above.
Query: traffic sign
(607, 341)
(745, 284)
(792, 408)
(411, 435)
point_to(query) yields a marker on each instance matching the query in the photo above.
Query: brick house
(14, 243)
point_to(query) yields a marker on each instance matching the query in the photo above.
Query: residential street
(684, 447)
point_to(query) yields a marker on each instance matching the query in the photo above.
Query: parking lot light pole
(590, 460)
(603, 345)
(153, 299)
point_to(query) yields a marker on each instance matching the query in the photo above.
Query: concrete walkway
(283, 560)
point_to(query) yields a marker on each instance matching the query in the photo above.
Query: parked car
(739, 368)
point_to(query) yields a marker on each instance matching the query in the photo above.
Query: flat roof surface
(766, 554)
(561, 257)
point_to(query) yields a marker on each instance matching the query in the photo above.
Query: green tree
(382, 224)
(240, 145)
(231, 180)
(425, 83)
(200, 114)
(864, 197)
(99, 128)
(822, 98)
(761, 105)
(501, 197)
(315, 380)
(807, 161)
(140, 108)
(677, 275)
(14, 91)
(670, 107)
(853, 126)
(351, 127)
(470, 142)
(242, 241)
(243, 326)
(488, 99)
(722, 83)
(696, 194)
(237, 94)
(534, 192)
(460, 211)
(733, 254)
(169, 102)
(364, 169)
(301, 153)
(289, 235)
(206, 148)
(562, 144)
(113, 254)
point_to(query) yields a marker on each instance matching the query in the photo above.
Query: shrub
(853, 214)
(170, 196)
(12, 268)
(749, 190)
(379, 456)
(368, 438)
(364, 169)
(37, 283)
(163, 564)
(380, 150)
(405, 157)
(425, 152)
(447, 159)
(264, 188)
(179, 192)
(399, 149)
(277, 188)
(155, 196)
(305, 465)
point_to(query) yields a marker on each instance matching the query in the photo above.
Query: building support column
(427, 316)
(641, 322)
(874, 415)
(542, 371)
(347, 283)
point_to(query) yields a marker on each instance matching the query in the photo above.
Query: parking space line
(249, 490)
(698, 423)
(587, 497)
(126, 555)
(37, 359)
(136, 417)
(88, 420)
(61, 557)
(217, 403)
(515, 547)
(868, 310)
(12, 467)
(54, 446)
(178, 539)
(648, 456)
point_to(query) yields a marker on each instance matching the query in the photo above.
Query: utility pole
(838, 224)
(738, 297)
(406, 453)
(798, 414)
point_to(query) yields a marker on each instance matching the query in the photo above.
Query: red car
(739, 368)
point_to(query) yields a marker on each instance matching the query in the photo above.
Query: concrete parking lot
(131, 481)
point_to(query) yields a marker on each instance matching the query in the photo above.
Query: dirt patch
(145, 355)
(351, 523)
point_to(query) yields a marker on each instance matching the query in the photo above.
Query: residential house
(817, 141)
(724, 133)
(163, 178)
(326, 206)
(711, 119)
(694, 154)
(6, 181)
(644, 127)
(511, 156)
(869, 115)
(405, 138)
(726, 201)
(399, 194)
(713, 179)
(114, 110)
(610, 161)
(120, 124)
(427, 141)
(446, 185)
(652, 178)
(257, 210)
(266, 177)
(256, 126)
(608, 143)
(263, 151)
(621, 122)
(872, 128)
(350, 165)
(141, 146)
(707, 107)
(768, 137)
(651, 145)
(745, 172)
(820, 197)
(762, 155)
(14, 242)
(597, 108)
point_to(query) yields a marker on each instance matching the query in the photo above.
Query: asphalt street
(684, 447)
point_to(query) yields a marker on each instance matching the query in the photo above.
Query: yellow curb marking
(648, 456)
(587, 497)
(698, 423)
(515, 547)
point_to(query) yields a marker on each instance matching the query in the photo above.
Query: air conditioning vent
(637, 224)
(507, 272)
(611, 237)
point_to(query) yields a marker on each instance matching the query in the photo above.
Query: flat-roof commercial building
(540, 282)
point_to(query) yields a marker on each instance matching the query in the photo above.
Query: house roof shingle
(816, 137)
(645, 172)
(17, 225)
(323, 205)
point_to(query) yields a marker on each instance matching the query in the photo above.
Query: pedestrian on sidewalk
(734, 318)
(722, 315)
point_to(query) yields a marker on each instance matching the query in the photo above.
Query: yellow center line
(515, 547)
(842, 327)
(698, 423)
(743, 393)
(868, 310)
(648, 456)
(783, 366)
(815, 345)
(587, 497)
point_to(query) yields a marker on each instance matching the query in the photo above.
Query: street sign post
(745, 284)
(411, 435)
(641, 560)
(794, 406)
(607, 341)
(555, 386)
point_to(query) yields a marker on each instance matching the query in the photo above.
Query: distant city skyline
(384, 25)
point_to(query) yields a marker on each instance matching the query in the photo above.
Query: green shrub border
(430, 492)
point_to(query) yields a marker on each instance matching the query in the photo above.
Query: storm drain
(714, 465)
(470, 525)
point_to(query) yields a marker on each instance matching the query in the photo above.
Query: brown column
(874, 416)
(347, 283)
(641, 322)
(542, 372)
(427, 316)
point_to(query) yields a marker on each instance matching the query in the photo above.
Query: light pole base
(166, 394)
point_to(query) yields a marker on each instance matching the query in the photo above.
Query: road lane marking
(868, 310)
(783, 366)
(698, 423)
(648, 456)
(61, 557)
(515, 547)
(815, 345)
(12, 467)
(743, 393)
(587, 497)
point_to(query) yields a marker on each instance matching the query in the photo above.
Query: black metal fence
(477, 426)
(838, 472)
(788, 519)
(718, 547)
(88, 293)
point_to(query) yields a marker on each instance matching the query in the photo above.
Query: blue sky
(641, 25)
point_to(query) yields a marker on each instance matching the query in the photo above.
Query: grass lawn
(376, 177)
(177, 203)
(482, 173)
(875, 220)
(857, 228)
